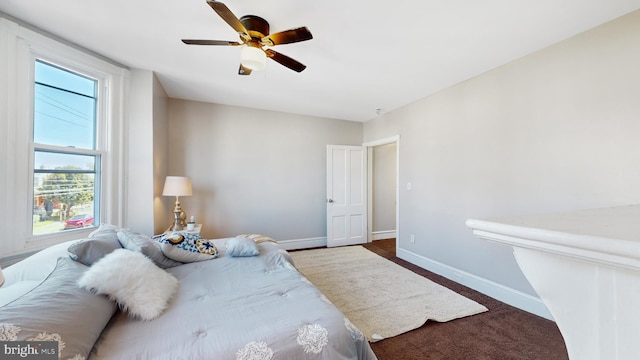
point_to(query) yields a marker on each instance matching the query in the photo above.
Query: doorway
(352, 199)
(383, 176)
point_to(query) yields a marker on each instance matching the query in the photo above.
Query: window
(66, 163)
(62, 122)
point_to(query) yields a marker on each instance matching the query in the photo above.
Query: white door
(346, 195)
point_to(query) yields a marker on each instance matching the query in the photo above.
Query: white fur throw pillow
(133, 281)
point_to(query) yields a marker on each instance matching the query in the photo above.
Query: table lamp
(177, 186)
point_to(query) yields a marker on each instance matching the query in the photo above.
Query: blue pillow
(242, 246)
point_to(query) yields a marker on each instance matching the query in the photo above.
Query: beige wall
(252, 170)
(139, 130)
(147, 138)
(384, 188)
(556, 130)
(162, 205)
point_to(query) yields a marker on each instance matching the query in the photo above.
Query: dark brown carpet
(503, 332)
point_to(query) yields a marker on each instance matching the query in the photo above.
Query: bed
(249, 307)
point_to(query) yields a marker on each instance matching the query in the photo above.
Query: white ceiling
(365, 54)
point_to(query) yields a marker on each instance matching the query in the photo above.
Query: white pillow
(11, 292)
(132, 280)
(258, 238)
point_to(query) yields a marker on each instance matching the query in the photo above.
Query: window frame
(98, 152)
(20, 46)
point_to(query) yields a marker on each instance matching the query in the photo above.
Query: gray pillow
(143, 244)
(242, 246)
(58, 310)
(88, 251)
(106, 231)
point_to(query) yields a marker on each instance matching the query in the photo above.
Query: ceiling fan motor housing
(255, 25)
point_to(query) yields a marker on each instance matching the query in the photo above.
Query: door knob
(329, 200)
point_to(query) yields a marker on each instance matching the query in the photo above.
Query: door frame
(370, 145)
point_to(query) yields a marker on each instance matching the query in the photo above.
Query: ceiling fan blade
(210, 42)
(244, 71)
(285, 60)
(288, 36)
(229, 18)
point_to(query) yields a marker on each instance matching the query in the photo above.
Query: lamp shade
(177, 186)
(253, 58)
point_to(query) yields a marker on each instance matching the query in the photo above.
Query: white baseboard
(497, 291)
(295, 244)
(380, 235)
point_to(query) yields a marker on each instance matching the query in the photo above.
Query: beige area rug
(380, 297)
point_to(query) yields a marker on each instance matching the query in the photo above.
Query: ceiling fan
(254, 35)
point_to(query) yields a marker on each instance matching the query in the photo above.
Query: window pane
(64, 192)
(59, 201)
(54, 76)
(45, 160)
(64, 108)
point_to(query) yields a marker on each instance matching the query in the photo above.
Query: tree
(70, 188)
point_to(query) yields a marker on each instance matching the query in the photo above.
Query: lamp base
(177, 225)
(179, 217)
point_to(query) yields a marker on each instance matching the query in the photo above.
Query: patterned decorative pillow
(186, 247)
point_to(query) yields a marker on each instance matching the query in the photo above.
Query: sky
(63, 117)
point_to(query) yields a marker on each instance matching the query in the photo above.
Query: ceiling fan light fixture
(253, 58)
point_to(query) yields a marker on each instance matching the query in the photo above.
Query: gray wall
(556, 130)
(253, 170)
